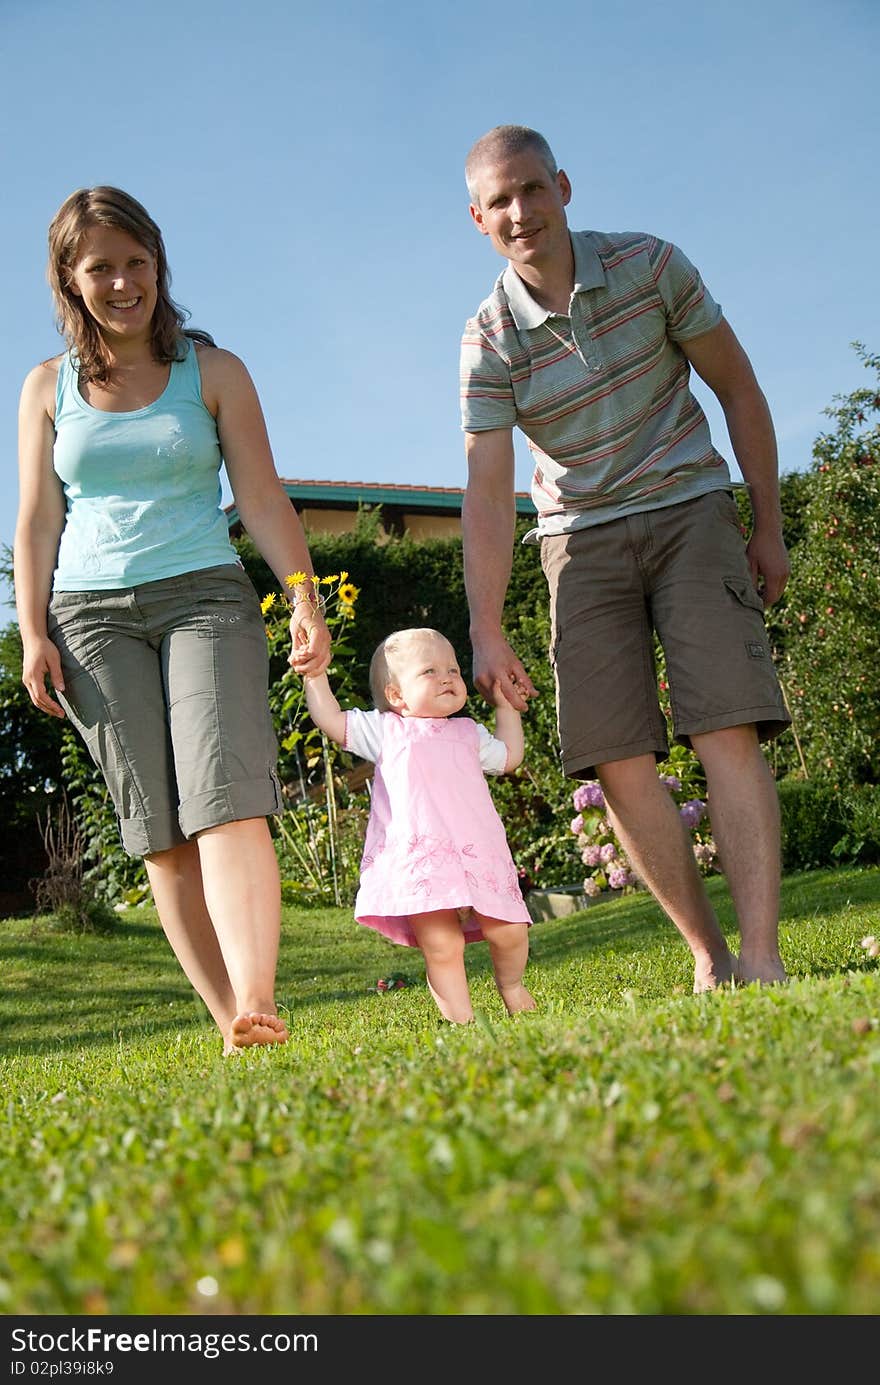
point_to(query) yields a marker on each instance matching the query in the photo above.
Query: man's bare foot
(767, 971)
(248, 1030)
(516, 999)
(710, 975)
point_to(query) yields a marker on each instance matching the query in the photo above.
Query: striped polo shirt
(602, 394)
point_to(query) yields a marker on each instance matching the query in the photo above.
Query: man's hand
(496, 667)
(768, 563)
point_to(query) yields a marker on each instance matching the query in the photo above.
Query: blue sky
(305, 165)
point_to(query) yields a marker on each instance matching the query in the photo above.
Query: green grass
(628, 1149)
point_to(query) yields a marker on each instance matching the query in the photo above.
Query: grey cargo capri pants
(167, 684)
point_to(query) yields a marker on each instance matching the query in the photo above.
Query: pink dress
(434, 839)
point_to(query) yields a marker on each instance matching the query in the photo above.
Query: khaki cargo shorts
(167, 684)
(682, 572)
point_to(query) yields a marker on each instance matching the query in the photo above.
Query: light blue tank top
(142, 488)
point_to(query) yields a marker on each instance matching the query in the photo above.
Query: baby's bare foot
(248, 1030)
(516, 999)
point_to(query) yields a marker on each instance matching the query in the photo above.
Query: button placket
(586, 345)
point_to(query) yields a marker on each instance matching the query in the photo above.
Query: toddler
(436, 871)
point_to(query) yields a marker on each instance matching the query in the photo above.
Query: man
(586, 344)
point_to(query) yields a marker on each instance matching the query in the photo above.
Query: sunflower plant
(319, 839)
(336, 596)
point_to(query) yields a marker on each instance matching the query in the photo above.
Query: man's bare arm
(719, 360)
(487, 521)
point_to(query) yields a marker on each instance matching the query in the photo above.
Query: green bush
(822, 826)
(111, 873)
(812, 823)
(830, 625)
(861, 839)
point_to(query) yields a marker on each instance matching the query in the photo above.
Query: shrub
(63, 891)
(811, 823)
(602, 856)
(822, 826)
(830, 622)
(861, 836)
(109, 870)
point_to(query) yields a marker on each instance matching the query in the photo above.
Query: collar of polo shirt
(588, 274)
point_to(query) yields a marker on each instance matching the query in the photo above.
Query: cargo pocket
(743, 590)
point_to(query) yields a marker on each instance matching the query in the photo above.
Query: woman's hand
(41, 661)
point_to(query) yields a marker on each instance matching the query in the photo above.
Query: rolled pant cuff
(252, 798)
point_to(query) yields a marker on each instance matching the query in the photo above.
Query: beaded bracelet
(315, 599)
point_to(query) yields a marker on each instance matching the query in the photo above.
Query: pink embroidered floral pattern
(434, 839)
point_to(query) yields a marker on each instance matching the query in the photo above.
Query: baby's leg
(441, 940)
(509, 949)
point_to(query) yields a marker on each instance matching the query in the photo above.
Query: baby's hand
(498, 697)
(302, 662)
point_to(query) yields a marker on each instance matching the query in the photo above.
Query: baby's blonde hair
(382, 670)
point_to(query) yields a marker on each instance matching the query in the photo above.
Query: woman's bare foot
(516, 999)
(248, 1030)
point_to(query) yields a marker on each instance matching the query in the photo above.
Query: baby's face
(428, 679)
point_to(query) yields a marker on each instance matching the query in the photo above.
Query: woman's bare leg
(441, 941)
(175, 878)
(218, 899)
(243, 897)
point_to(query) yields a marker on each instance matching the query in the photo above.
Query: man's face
(522, 208)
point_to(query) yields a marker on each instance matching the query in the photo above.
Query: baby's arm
(324, 709)
(508, 728)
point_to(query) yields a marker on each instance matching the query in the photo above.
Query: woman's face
(115, 276)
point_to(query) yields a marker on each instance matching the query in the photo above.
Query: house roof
(347, 495)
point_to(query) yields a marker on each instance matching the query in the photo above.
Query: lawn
(627, 1149)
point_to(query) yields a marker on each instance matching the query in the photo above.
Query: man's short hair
(500, 143)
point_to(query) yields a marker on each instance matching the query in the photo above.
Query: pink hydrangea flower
(577, 824)
(591, 889)
(692, 812)
(591, 856)
(608, 852)
(588, 795)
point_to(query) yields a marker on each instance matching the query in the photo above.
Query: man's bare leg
(744, 809)
(648, 827)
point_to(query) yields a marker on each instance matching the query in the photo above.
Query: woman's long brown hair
(108, 206)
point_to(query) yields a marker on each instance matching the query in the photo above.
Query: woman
(133, 605)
